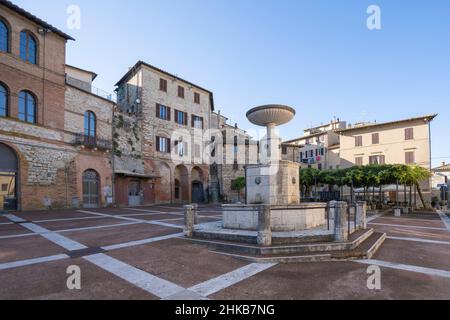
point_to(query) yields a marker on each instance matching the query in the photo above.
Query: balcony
(91, 142)
(88, 87)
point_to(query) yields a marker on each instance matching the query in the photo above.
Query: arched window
(3, 101)
(28, 47)
(4, 37)
(27, 107)
(90, 124)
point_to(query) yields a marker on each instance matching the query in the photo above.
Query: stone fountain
(274, 225)
(275, 183)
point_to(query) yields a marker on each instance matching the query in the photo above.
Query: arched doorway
(198, 192)
(182, 185)
(91, 189)
(8, 178)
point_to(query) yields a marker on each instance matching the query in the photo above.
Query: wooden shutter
(157, 144)
(157, 111)
(168, 146)
(175, 115)
(382, 159)
(203, 124)
(185, 118)
(192, 121)
(168, 114)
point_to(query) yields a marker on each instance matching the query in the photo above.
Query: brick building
(44, 155)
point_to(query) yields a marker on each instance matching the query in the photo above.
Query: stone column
(264, 226)
(189, 220)
(361, 215)
(340, 222)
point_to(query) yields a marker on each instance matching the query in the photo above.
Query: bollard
(264, 226)
(195, 205)
(340, 222)
(361, 215)
(189, 220)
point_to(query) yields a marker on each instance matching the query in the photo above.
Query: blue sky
(316, 55)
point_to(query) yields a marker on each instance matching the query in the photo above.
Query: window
(28, 47)
(181, 148)
(359, 161)
(4, 187)
(162, 144)
(197, 98)
(181, 118)
(180, 92)
(284, 150)
(409, 134)
(311, 154)
(197, 122)
(409, 157)
(380, 159)
(3, 101)
(27, 107)
(375, 138)
(90, 127)
(301, 156)
(163, 85)
(322, 138)
(4, 37)
(162, 112)
(358, 141)
(319, 166)
(322, 151)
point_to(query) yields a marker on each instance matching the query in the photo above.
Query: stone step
(364, 251)
(305, 248)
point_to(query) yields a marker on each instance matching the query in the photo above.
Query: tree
(417, 175)
(308, 178)
(238, 184)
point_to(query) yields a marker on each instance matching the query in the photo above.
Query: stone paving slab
(110, 236)
(63, 225)
(3, 219)
(48, 215)
(178, 261)
(12, 229)
(413, 253)
(22, 248)
(410, 222)
(440, 235)
(47, 281)
(335, 280)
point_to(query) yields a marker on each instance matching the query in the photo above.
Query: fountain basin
(285, 218)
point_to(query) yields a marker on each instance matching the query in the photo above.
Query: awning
(136, 175)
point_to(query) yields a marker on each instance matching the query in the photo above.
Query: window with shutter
(163, 85)
(197, 98)
(375, 138)
(358, 141)
(409, 134)
(181, 92)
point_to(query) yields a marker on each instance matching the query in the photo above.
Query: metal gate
(91, 189)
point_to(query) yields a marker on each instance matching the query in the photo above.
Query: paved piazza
(140, 253)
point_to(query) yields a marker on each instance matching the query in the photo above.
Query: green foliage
(367, 176)
(238, 184)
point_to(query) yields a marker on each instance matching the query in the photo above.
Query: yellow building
(405, 141)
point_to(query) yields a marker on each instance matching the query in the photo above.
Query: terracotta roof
(35, 19)
(444, 168)
(142, 63)
(427, 118)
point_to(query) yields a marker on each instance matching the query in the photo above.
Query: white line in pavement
(227, 280)
(374, 217)
(418, 240)
(66, 219)
(405, 226)
(141, 242)
(18, 236)
(28, 262)
(445, 219)
(150, 212)
(406, 267)
(14, 218)
(99, 227)
(56, 238)
(135, 220)
(6, 223)
(154, 285)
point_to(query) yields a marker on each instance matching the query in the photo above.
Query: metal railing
(88, 87)
(91, 142)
